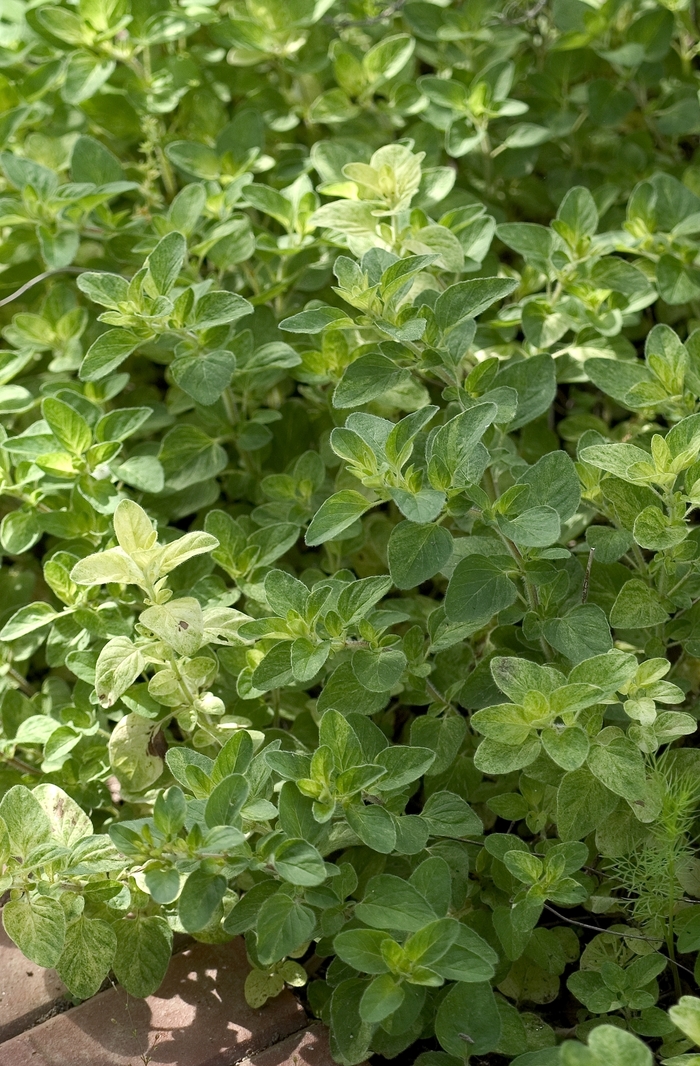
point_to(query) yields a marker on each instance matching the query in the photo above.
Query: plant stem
(19, 764)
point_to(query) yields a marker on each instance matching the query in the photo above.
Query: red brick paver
(198, 1017)
(27, 993)
(308, 1048)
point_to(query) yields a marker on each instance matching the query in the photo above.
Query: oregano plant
(350, 466)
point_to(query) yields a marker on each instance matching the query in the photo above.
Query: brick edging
(28, 994)
(309, 1047)
(198, 1017)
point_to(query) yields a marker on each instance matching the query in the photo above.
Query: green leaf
(108, 290)
(390, 902)
(195, 159)
(307, 658)
(431, 943)
(552, 482)
(537, 527)
(190, 456)
(344, 692)
(422, 506)
(578, 212)
(656, 532)
(69, 823)
(610, 544)
(618, 459)
(122, 423)
(378, 669)
(119, 664)
(470, 1009)
(527, 135)
(283, 925)
(493, 757)
(444, 736)
(69, 428)
(609, 672)
(275, 670)
(534, 380)
(452, 448)
(261, 986)
(133, 528)
(403, 765)
(285, 593)
(144, 946)
(637, 607)
(200, 899)
(336, 732)
(381, 998)
(516, 677)
(58, 249)
(386, 58)
(580, 634)
(470, 959)
(619, 765)
(244, 914)
(686, 1015)
(619, 379)
(204, 376)
(684, 436)
(567, 748)
(26, 821)
(610, 1044)
(446, 92)
(351, 1036)
(111, 566)
(27, 620)
(187, 207)
(433, 879)
(314, 320)
(219, 309)
(299, 863)
(107, 353)
(165, 261)
(170, 810)
(535, 243)
(478, 590)
(467, 299)
(132, 753)
(583, 803)
(179, 551)
(366, 378)
(37, 925)
(90, 160)
(374, 827)
(677, 282)
(273, 203)
(19, 531)
(88, 953)
(295, 811)
(448, 815)
(226, 801)
(362, 949)
(505, 723)
(179, 623)
(335, 515)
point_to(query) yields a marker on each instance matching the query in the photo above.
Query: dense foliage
(351, 587)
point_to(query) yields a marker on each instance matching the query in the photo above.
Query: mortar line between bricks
(309, 1022)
